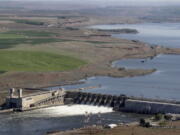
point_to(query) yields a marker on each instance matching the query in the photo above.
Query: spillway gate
(95, 99)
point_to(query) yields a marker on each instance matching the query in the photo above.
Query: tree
(142, 122)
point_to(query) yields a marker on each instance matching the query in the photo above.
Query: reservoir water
(163, 84)
(166, 34)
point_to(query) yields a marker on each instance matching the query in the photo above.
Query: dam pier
(123, 103)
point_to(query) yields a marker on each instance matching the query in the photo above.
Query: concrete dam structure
(96, 99)
(150, 107)
(124, 103)
(31, 101)
(61, 97)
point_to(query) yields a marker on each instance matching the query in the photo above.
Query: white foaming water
(77, 110)
(62, 111)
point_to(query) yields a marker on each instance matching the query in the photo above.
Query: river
(163, 84)
(41, 121)
(166, 34)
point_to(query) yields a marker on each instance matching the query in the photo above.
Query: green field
(10, 36)
(8, 43)
(36, 61)
(31, 33)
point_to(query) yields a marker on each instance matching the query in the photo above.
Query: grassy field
(11, 42)
(10, 36)
(31, 33)
(29, 60)
(36, 61)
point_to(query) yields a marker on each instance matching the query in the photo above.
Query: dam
(121, 103)
(124, 103)
(32, 101)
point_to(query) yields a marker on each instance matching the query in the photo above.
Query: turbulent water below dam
(163, 84)
(40, 121)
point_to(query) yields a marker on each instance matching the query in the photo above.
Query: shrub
(168, 117)
(147, 125)
(142, 122)
(158, 117)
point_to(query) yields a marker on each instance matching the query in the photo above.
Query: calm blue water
(163, 84)
(166, 34)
